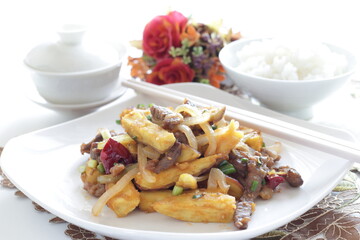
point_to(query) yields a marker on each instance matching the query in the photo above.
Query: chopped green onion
(196, 196)
(254, 185)
(259, 162)
(92, 163)
(214, 127)
(263, 182)
(105, 133)
(228, 169)
(244, 160)
(134, 137)
(141, 106)
(150, 105)
(149, 118)
(82, 168)
(177, 190)
(223, 163)
(118, 121)
(263, 144)
(101, 168)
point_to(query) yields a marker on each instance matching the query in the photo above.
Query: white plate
(34, 96)
(44, 165)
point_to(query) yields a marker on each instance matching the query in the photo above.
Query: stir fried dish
(187, 162)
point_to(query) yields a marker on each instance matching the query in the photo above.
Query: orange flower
(190, 34)
(216, 73)
(139, 68)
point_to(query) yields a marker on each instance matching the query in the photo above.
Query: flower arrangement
(178, 50)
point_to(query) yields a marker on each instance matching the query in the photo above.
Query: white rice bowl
(289, 60)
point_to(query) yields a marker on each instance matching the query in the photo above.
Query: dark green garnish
(228, 168)
(118, 121)
(254, 185)
(149, 118)
(223, 163)
(134, 137)
(196, 196)
(263, 182)
(177, 190)
(150, 105)
(214, 127)
(244, 160)
(263, 145)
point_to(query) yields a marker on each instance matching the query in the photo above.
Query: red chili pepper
(273, 180)
(114, 152)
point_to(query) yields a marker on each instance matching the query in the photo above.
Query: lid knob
(71, 33)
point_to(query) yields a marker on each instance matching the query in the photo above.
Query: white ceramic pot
(291, 97)
(73, 72)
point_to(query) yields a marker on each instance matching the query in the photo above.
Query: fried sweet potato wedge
(147, 198)
(198, 206)
(168, 177)
(188, 154)
(125, 201)
(138, 126)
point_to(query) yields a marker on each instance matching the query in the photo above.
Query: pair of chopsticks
(323, 142)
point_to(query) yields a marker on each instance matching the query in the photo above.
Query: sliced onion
(222, 123)
(142, 161)
(193, 111)
(276, 147)
(112, 191)
(189, 135)
(217, 179)
(209, 132)
(202, 178)
(190, 121)
(151, 152)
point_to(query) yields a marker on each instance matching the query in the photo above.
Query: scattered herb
(196, 196)
(244, 160)
(101, 168)
(140, 106)
(149, 118)
(134, 137)
(118, 121)
(254, 185)
(177, 190)
(263, 144)
(214, 127)
(228, 168)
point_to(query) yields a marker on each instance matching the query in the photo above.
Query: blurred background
(24, 24)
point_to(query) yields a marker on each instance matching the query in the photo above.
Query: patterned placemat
(337, 216)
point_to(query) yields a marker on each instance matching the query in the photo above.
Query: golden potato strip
(198, 206)
(111, 192)
(138, 126)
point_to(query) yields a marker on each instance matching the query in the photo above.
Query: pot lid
(71, 54)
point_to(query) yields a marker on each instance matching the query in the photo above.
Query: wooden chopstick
(323, 142)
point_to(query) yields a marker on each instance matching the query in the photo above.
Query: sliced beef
(85, 147)
(169, 159)
(95, 190)
(292, 176)
(181, 137)
(243, 212)
(235, 157)
(165, 118)
(95, 152)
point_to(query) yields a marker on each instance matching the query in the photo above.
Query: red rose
(163, 32)
(171, 70)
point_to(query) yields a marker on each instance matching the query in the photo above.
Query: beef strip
(169, 159)
(95, 152)
(165, 118)
(85, 147)
(181, 137)
(292, 176)
(96, 189)
(243, 212)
